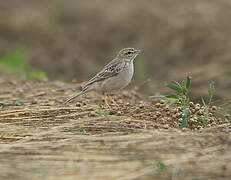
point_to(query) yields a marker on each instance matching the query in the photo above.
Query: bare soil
(43, 139)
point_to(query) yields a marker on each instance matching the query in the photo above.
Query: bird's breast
(119, 81)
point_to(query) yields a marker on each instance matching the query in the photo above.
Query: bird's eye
(129, 52)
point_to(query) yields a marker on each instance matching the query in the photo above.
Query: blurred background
(74, 39)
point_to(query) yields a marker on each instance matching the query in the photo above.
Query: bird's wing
(111, 69)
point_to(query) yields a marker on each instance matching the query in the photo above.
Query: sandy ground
(43, 139)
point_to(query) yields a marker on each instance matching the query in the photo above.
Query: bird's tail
(76, 95)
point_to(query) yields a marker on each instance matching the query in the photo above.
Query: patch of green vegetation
(181, 95)
(81, 130)
(99, 110)
(186, 117)
(207, 105)
(160, 166)
(191, 114)
(5, 104)
(16, 63)
(42, 174)
(17, 103)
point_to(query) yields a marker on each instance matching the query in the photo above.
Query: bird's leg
(105, 98)
(113, 101)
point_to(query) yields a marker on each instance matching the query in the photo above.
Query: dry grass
(48, 140)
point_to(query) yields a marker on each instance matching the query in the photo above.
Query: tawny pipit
(116, 75)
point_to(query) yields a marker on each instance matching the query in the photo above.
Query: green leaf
(188, 82)
(212, 85)
(19, 103)
(160, 165)
(42, 174)
(5, 104)
(172, 96)
(203, 101)
(81, 130)
(186, 116)
(174, 101)
(175, 86)
(184, 90)
(98, 110)
(210, 91)
(157, 96)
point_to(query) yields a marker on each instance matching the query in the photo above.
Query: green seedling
(186, 117)
(160, 166)
(81, 130)
(19, 103)
(42, 173)
(5, 104)
(211, 93)
(207, 105)
(180, 97)
(98, 110)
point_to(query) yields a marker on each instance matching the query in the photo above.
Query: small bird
(116, 75)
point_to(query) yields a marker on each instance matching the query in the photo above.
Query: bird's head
(128, 54)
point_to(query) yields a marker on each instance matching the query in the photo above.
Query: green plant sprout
(98, 110)
(210, 95)
(208, 105)
(186, 117)
(81, 130)
(181, 98)
(17, 103)
(181, 95)
(160, 165)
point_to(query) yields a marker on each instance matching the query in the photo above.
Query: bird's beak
(139, 51)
